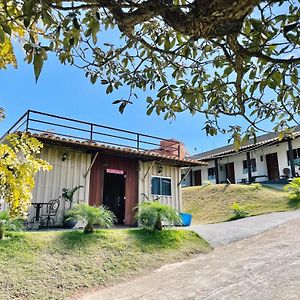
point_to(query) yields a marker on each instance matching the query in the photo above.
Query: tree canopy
(221, 57)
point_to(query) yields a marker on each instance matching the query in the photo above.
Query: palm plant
(151, 215)
(294, 188)
(92, 215)
(68, 194)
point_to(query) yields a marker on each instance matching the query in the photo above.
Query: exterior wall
(188, 180)
(65, 174)
(130, 168)
(261, 164)
(172, 172)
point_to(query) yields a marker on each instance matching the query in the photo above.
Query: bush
(238, 211)
(294, 188)
(9, 224)
(151, 215)
(256, 185)
(92, 215)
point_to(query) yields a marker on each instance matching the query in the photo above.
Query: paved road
(228, 232)
(265, 266)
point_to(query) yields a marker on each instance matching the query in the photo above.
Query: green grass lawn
(58, 264)
(213, 203)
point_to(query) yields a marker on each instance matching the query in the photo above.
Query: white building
(270, 160)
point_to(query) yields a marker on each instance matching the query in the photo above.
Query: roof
(263, 140)
(93, 147)
(92, 137)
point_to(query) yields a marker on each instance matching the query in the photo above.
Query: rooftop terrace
(53, 126)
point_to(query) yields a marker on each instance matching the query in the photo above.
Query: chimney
(173, 147)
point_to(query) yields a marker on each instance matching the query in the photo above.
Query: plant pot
(69, 223)
(186, 219)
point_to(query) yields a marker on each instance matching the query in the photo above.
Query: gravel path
(265, 266)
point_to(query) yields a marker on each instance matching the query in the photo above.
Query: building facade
(266, 160)
(115, 167)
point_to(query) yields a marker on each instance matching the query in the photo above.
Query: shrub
(9, 224)
(151, 215)
(92, 215)
(256, 185)
(294, 188)
(238, 211)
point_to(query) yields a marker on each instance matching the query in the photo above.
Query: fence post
(138, 141)
(27, 121)
(91, 133)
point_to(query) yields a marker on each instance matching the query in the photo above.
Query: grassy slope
(212, 203)
(54, 265)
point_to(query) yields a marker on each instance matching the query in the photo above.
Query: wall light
(159, 169)
(64, 157)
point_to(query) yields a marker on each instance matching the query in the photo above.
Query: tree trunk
(1, 233)
(88, 228)
(158, 225)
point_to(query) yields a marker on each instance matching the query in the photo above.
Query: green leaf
(167, 44)
(280, 136)
(6, 28)
(109, 89)
(76, 24)
(149, 110)
(117, 101)
(2, 36)
(294, 79)
(94, 78)
(38, 65)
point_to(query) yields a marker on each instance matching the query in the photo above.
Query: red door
(197, 176)
(272, 166)
(230, 174)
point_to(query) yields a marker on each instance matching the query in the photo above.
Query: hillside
(60, 264)
(212, 203)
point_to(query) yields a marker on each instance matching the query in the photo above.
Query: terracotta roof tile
(141, 154)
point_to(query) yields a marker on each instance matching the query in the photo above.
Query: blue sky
(64, 90)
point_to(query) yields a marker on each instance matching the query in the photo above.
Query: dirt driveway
(265, 266)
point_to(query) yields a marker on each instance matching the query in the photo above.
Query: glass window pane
(155, 186)
(166, 186)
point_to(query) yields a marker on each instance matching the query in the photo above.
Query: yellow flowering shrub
(19, 163)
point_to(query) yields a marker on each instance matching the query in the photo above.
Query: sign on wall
(115, 171)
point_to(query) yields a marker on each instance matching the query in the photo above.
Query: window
(161, 186)
(252, 164)
(211, 173)
(296, 155)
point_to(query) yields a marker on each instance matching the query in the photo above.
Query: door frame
(273, 155)
(199, 177)
(122, 177)
(233, 172)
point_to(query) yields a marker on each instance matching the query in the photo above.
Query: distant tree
(18, 165)
(221, 57)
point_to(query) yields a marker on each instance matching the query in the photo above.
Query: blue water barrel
(186, 219)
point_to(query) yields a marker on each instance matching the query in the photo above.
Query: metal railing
(57, 126)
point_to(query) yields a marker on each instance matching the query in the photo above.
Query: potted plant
(67, 195)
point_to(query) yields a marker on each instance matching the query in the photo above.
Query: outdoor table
(38, 206)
